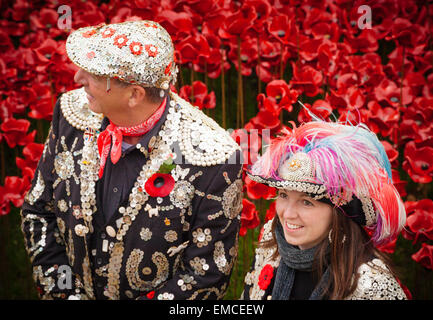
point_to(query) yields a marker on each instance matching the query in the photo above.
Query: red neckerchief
(115, 133)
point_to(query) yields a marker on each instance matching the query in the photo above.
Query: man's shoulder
(202, 141)
(75, 109)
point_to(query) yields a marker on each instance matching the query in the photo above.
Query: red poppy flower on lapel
(249, 217)
(418, 162)
(120, 41)
(159, 185)
(266, 276)
(424, 256)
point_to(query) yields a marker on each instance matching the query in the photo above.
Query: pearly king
(176, 244)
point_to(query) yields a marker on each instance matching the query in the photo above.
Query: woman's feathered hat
(343, 165)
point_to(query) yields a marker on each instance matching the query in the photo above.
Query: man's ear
(137, 95)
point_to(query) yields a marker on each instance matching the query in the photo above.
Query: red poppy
(268, 104)
(265, 276)
(391, 152)
(239, 22)
(15, 132)
(46, 51)
(389, 92)
(248, 55)
(136, 48)
(263, 10)
(192, 48)
(88, 13)
(120, 41)
(45, 19)
(257, 190)
(410, 35)
(198, 95)
(280, 92)
(159, 185)
(107, 33)
(424, 256)
(175, 23)
(418, 162)
(284, 29)
(307, 80)
(32, 153)
(249, 217)
(399, 184)
(266, 120)
(14, 190)
(366, 41)
(151, 50)
(320, 108)
(419, 223)
(382, 120)
(270, 213)
(417, 121)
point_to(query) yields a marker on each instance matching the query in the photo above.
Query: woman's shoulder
(259, 280)
(376, 282)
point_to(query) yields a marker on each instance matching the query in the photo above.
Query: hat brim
(316, 191)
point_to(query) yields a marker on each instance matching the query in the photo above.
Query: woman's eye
(282, 195)
(307, 203)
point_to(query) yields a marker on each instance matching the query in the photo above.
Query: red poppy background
(246, 64)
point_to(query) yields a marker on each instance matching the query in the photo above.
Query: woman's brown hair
(349, 248)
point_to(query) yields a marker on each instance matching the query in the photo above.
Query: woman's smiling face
(306, 222)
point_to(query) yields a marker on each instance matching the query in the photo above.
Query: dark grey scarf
(293, 258)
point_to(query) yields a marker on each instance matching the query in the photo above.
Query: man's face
(100, 101)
